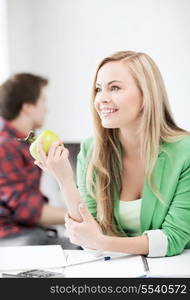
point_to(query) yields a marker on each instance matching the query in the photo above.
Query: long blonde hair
(157, 126)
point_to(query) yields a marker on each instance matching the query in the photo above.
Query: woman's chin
(109, 125)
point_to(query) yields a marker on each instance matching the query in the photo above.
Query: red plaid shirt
(21, 201)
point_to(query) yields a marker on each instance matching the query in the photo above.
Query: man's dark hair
(17, 90)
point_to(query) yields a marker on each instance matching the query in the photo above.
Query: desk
(126, 266)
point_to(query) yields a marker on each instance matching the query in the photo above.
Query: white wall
(4, 51)
(65, 39)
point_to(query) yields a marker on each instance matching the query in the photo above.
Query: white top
(129, 215)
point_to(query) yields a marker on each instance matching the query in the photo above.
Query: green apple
(48, 137)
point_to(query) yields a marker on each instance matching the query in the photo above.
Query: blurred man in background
(24, 211)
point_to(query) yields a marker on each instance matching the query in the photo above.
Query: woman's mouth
(107, 112)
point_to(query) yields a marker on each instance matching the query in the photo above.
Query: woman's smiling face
(118, 99)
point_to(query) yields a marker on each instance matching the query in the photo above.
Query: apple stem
(29, 139)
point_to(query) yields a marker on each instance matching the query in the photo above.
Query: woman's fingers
(56, 148)
(56, 161)
(65, 153)
(41, 151)
(53, 148)
(58, 151)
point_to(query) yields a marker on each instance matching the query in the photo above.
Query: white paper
(31, 257)
(120, 265)
(174, 266)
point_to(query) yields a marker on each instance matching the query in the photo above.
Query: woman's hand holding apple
(52, 157)
(56, 162)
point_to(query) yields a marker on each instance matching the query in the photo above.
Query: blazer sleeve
(82, 162)
(176, 225)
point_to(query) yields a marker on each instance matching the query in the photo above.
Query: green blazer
(172, 176)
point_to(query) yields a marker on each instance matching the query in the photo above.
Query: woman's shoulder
(179, 143)
(179, 146)
(86, 143)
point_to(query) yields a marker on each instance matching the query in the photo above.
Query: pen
(105, 258)
(145, 263)
(5, 275)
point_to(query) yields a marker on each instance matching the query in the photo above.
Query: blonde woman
(133, 175)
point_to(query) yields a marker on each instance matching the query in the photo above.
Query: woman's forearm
(51, 215)
(72, 198)
(133, 245)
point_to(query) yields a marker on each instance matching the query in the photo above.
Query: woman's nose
(104, 97)
(105, 101)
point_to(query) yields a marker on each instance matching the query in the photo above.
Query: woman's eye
(114, 88)
(97, 90)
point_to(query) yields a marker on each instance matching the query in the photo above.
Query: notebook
(126, 265)
(173, 266)
(84, 264)
(76, 263)
(31, 257)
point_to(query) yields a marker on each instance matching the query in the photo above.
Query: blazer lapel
(149, 199)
